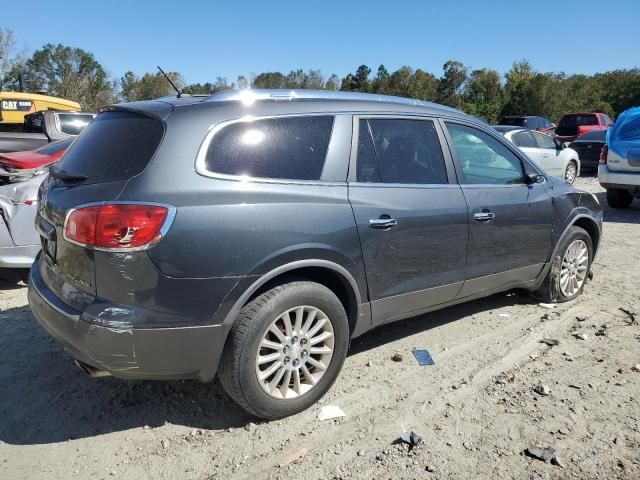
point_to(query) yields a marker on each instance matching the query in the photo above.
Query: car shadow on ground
(629, 215)
(13, 278)
(47, 399)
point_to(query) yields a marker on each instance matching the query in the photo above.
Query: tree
(220, 85)
(270, 80)
(314, 79)
(451, 83)
(483, 95)
(11, 62)
(242, 82)
(517, 88)
(149, 86)
(357, 82)
(70, 73)
(332, 83)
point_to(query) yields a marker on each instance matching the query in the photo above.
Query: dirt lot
(476, 409)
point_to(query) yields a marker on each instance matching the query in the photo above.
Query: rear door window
(291, 148)
(115, 146)
(524, 139)
(401, 151)
(484, 159)
(544, 141)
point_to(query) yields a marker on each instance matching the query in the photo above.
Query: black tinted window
(524, 139)
(288, 148)
(407, 151)
(594, 135)
(484, 159)
(73, 124)
(55, 147)
(515, 121)
(115, 146)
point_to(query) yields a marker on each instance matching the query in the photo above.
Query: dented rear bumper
(116, 347)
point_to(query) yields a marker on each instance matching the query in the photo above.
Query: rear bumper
(125, 351)
(621, 180)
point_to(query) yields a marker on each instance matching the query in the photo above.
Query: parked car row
(251, 235)
(45, 137)
(548, 153)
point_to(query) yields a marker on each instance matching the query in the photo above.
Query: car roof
(308, 101)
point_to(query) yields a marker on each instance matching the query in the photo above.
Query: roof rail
(249, 96)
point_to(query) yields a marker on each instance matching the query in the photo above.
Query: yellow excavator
(15, 105)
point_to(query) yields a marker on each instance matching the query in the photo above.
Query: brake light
(116, 226)
(603, 154)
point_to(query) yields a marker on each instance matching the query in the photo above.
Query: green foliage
(70, 73)
(483, 95)
(149, 86)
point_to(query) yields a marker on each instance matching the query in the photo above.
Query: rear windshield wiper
(55, 172)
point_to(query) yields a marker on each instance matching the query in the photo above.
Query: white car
(552, 156)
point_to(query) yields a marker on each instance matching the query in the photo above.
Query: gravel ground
(476, 409)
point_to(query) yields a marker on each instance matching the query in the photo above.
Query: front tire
(618, 198)
(285, 350)
(570, 267)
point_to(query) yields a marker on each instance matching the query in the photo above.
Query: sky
(206, 39)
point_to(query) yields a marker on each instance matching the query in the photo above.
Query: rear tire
(567, 275)
(260, 341)
(618, 198)
(571, 172)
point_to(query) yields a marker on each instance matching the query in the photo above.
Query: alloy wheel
(574, 268)
(295, 352)
(570, 173)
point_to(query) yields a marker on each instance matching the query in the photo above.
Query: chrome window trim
(171, 215)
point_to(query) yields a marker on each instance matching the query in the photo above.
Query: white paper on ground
(329, 412)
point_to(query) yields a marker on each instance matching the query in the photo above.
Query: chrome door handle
(484, 216)
(545, 155)
(382, 223)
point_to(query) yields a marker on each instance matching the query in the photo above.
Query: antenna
(169, 80)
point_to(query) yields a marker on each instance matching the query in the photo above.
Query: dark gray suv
(252, 234)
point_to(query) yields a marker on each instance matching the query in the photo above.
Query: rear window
(73, 124)
(114, 146)
(515, 121)
(594, 135)
(55, 147)
(285, 148)
(578, 120)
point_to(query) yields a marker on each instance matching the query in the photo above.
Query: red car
(572, 125)
(39, 157)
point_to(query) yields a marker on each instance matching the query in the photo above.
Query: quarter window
(286, 148)
(484, 159)
(400, 151)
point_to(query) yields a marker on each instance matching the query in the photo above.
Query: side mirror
(560, 145)
(531, 178)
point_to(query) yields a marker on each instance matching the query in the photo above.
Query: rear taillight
(117, 226)
(603, 154)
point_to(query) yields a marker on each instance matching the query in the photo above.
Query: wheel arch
(327, 273)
